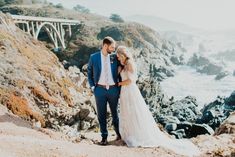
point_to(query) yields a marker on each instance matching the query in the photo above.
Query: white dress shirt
(102, 75)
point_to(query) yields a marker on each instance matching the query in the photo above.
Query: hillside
(153, 52)
(35, 85)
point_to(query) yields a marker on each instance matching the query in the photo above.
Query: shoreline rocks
(204, 65)
(182, 118)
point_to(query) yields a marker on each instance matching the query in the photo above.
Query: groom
(103, 78)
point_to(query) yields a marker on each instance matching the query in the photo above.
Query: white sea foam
(205, 88)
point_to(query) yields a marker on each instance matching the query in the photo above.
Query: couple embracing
(112, 76)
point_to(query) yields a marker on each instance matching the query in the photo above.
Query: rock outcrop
(216, 112)
(228, 126)
(204, 65)
(221, 75)
(35, 85)
(182, 118)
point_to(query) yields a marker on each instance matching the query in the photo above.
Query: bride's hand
(125, 82)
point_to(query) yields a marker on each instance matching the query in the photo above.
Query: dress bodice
(128, 75)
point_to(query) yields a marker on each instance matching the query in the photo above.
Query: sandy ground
(18, 139)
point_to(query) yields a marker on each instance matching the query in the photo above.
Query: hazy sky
(207, 14)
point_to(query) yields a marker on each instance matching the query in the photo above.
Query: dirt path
(18, 139)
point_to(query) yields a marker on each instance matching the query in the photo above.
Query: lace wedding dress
(137, 125)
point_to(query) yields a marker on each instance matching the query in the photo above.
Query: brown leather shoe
(103, 142)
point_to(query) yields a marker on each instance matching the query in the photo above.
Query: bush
(2, 3)
(81, 9)
(11, 1)
(116, 18)
(59, 6)
(36, 1)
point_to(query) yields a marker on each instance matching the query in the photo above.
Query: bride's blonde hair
(123, 51)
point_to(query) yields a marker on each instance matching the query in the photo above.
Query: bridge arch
(47, 26)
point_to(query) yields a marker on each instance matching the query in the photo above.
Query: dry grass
(42, 95)
(19, 105)
(228, 126)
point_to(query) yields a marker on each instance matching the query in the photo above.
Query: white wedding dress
(137, 125)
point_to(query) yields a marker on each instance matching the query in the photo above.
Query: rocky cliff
(35, 85)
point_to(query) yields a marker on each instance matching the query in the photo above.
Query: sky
(206, 14)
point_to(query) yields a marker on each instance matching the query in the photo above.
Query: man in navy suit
(103, 78)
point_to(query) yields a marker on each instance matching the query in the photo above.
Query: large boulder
(230, 101)
(171, 127)
(216, 112)
(177, 60)
(210, 69)
(184, 110)
(200, 129)
(178, 133)
(192, 129)
(228, 126)
(161, 72)
(197, 61)
(204, 65)
(186, 126)
(221, 75)
(168, 120)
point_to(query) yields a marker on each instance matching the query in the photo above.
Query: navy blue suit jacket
(94, 68)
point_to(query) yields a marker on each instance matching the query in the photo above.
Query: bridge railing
(54, 27)
(44, 19)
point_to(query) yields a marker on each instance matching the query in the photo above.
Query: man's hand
(93, 88)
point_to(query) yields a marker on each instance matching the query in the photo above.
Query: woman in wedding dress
(137, 125)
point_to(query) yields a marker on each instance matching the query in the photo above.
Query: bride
(137, 126)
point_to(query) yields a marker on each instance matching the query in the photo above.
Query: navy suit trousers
(104, 97)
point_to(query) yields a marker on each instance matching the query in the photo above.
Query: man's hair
(108, 40)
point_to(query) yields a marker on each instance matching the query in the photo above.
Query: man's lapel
(99, 64)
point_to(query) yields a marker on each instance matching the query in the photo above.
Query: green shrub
(2, 3)
(81, 9)
(116, 18)
(59, 6)
(11, 1)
